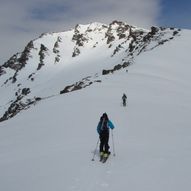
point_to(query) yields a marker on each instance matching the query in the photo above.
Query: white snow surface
(50, 146)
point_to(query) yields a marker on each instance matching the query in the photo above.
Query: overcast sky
(24, 20)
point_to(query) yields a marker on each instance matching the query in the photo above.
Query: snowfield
(50, 146)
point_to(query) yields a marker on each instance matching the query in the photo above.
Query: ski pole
(113, 143)
(95, 150)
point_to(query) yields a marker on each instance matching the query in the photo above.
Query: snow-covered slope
(50, 146)
(58, 63)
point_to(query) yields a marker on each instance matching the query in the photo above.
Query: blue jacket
(109, 124)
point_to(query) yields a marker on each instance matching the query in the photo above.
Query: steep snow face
(50, 146)
(62, 62)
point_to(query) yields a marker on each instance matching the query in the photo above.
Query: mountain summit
(75, 58)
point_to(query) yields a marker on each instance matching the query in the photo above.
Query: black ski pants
(124, 102)
(104, 139)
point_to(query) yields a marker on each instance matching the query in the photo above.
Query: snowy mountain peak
(57, 63)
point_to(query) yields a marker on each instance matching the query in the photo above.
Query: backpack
(104, 125)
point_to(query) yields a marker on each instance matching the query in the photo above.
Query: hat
(105, 115)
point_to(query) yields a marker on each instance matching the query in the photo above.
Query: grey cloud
(50, 12)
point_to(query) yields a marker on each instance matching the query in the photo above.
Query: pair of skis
(103, 159)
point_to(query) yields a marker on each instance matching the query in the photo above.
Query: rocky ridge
(51, 53)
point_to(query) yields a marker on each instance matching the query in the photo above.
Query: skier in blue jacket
(103, 130)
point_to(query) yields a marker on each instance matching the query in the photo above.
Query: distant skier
(124, 98)
(103, 130)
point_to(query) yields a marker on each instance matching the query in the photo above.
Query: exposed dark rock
(110, 46)
(25, 91)
(125, 64)
(55, 49)
(38, 98)
(11, 63)
(79, 85)
(17, 62)
(105, 72)
(162, 41)
(40, 65)
(121, 36)
(117, 49)
(110, 38)
(89, 30)
(66, 89)
(17, 106)
(98, 81)
(149, 35)
(162, 28)
(25, 55)
(56, 45)
(31, 75)
(117, 67)
(109, 34)
(131, 46)
(14, 79)
(76, 52)
(79, 37)
(2, 71)
(42, 52)
(57, 59)
(175, 33)
(95, 45)
(154, 30)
